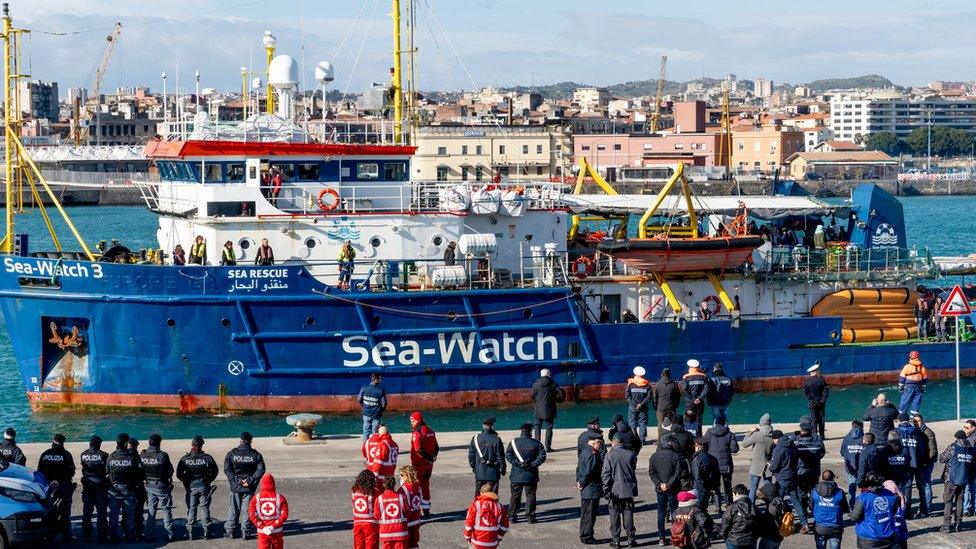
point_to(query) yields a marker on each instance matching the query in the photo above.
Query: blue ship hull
(103, 335)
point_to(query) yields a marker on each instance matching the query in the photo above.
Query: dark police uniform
(94, 489)
(244, 467)
(159, 489)
(125, 474)
(486, 456)
(141, 495)
(197, 470)
(526, 456)
(959, 459)
(57, 466)
(10, 452)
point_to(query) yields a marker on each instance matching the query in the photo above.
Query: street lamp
(165, 105)
(196, 74)
(269, 42)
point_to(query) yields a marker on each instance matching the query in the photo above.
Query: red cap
(913, 354)
(416, 416)
(686, 496)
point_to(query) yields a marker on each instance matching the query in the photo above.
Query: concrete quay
(316, 479)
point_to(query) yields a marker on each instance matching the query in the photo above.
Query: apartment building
(764, 148)
(854, 118)
(477, 153)
(39, 99)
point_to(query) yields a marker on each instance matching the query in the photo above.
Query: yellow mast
(397, 76)
(269, 47)
(411, 83)
(8, 240)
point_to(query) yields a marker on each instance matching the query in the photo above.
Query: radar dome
(283, 72)
(324, 73)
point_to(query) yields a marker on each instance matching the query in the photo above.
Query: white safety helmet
(692, 363)
(639, 371)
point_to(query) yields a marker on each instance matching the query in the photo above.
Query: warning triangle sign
(956, 304)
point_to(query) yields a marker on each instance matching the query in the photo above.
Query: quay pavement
(316, 479)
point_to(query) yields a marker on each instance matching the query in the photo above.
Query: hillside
(866, 81)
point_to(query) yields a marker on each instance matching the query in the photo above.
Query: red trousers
(396, 544)
(424, 474)
(365, 536)
(414, 537)
(274, 541)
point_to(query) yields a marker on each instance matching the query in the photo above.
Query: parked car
(26, 514)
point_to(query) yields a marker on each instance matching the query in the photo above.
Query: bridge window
(235, 172)
(308, 171)
(212, 173)
(287, 170)
(367, 171)
(395, 171)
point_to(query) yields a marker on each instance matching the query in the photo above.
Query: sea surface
(945, 225)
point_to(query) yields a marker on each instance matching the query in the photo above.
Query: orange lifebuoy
(714, 301)
(582, 267)
(333, 204)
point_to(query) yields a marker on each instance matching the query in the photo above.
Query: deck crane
(81, 132)
(655, 118)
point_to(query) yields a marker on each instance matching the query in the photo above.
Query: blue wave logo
(343, 229)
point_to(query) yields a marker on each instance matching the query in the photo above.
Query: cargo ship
(115, 328)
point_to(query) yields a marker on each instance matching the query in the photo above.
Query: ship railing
(72, 178)
(414, 196)
(843, 263)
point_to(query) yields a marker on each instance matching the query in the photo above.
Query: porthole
(310, 243)
(834, 335)
(527, 313)
(437, 240)
(170, 322)
(452, 316)
(225, 322)
(375, 242)
(245, 243)
(309, 321)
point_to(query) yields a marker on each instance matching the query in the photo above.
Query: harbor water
(945, 225)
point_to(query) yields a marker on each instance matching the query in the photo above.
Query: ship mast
(397, 83)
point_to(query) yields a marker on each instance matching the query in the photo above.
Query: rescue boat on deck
(675, 255)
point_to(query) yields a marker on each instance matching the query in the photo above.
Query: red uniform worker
(269, 511)
(410, 488)
(391, 514)
(423, 453)
(381, 453)
(487, 521)
(365, 531)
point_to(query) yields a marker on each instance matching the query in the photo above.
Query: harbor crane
(81, 132)
(655, 118)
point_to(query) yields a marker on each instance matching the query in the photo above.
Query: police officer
(817, 392)
(125, 473)
(914, 443)
(694, 385)
(372, 398)
(850, 449)
(94, 489)
(9, 451)
(720, 393)
(58, 467)
(159, 487)
(486, 456)
(958, 458)
(592, 431)
(141, 495)
(526, 456)
(197, 471)
(244, 467)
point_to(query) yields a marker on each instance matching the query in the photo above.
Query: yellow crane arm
(585, 169)
(678, 176)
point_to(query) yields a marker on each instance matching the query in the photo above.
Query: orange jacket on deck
(913, 372)
(486, 522)
(381, 455)
(268, 507)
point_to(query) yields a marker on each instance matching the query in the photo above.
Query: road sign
(956, 304)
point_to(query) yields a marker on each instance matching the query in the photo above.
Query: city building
(843, 165)
(763, 149)
(477, 153)
(854, 119)
(762, 88)
(590, 98)
(39, 99)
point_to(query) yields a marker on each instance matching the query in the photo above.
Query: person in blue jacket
(783, 466)
(829, 506)
(958, 458)
(874, 515)
(720, 393)
(850, 450)
(914, 443)
(372, 398)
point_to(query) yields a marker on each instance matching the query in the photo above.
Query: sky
(465, 44)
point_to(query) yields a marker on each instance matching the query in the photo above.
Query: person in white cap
(694, 385)
(638, 395)
(816, 390)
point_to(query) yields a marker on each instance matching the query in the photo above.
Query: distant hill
(866, 81)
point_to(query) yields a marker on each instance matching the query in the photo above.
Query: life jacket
(391, 514)
(347, 255)
(362, 508)
(827, 511)
(229, 256)
(914, 372)
(198, 249)
(878, 521)
(268, 507)
(411, 492)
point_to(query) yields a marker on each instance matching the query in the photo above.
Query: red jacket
(412, 494)
(381, 455)
(423, 443)
(362, 508)
(390, 509)
(487, 521)
(268, 507)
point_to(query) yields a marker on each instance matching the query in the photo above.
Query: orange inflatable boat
(868, 315)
